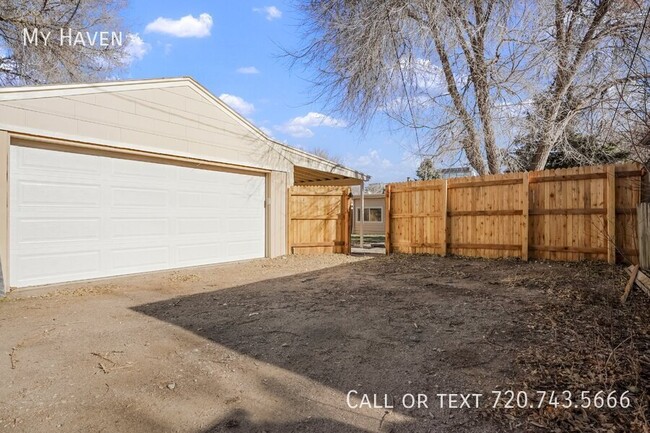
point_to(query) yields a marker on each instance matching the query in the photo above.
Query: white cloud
(136, 48)
(185, 27)
(238, 104)
(381, 168)
(299, 126)
(248, 70)
(297, 131)
(271, 12)
(371, 159)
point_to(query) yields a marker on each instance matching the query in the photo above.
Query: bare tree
(630, 124)
(326, 154)
(591, 42)
(465, 72)
(54, 61)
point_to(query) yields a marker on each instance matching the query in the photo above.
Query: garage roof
(309, 169)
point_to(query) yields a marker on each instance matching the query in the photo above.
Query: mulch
(585, 341)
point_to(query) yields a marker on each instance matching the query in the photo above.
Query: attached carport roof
(313, 170)
(308, 176)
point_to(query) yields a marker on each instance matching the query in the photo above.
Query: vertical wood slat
(288, 222)
(348, 208)
(345, 204)
(444, 226)
(628, 196)
(524, 217)
(350, 222)
(387, 220)
(610, 198)
(411, 221)
(643, 231)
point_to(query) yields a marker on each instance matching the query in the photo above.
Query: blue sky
(235, 50)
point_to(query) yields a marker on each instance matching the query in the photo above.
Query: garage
(77, 216)
(124, 177)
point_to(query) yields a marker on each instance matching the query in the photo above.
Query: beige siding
(4, 210)
(175, 118)
(371, 229)
(277, 202)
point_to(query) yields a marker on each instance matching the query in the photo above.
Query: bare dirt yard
(277, 345)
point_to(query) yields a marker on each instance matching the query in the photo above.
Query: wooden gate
(319, 220)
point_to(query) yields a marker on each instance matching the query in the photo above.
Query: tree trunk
(471, 144)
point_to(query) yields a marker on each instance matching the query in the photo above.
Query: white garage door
(76, 216)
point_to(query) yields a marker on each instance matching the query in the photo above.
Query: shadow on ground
(387, 326)
(240, 420)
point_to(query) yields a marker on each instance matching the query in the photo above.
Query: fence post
(524, 217)
(643, 222)
(411, 199)
(611, 214)
(443, 211)
(387, 221)
(345, 205)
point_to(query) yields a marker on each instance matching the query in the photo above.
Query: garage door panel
(241, 203)
(58, 164)
(97, 216)
(245, 212)
(40, 194)
(136, 228)
(203, 226)
(57, 230)
(64, 248)
(56, 268)
(202, 247)
(241, 249)
(197, 254)
(140, 197)
(128, 169)
(207, 176)
(243, 229)
(140, 259)
(192, 200)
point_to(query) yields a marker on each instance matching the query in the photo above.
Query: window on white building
(371, 215)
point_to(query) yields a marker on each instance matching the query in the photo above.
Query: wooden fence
(567, 215)
(319, 220)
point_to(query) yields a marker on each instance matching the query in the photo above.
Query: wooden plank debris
(642, 281)
(630, 283)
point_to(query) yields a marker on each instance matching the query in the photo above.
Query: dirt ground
(276, 345)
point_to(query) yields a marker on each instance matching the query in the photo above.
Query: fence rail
(567, 215)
